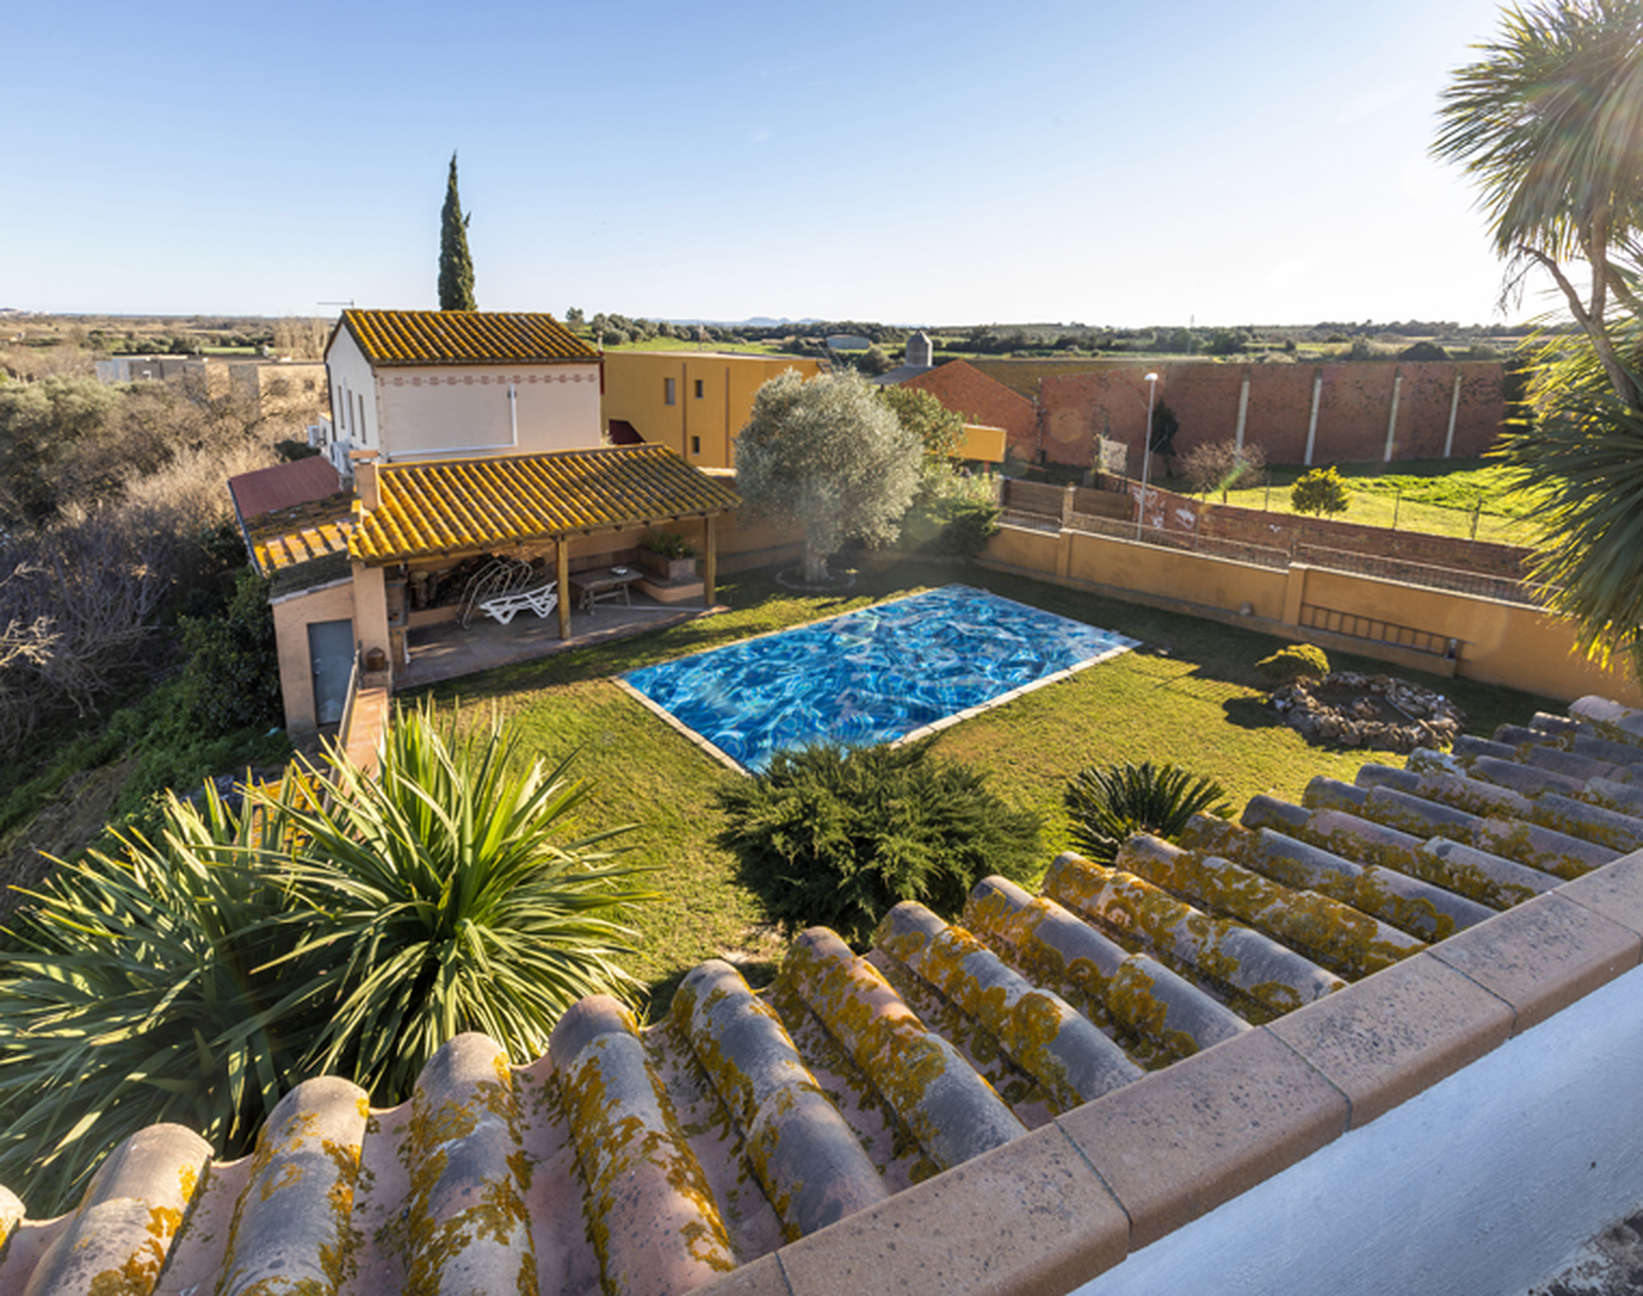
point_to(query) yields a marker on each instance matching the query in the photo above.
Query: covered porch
(446, 650)
(481, 563)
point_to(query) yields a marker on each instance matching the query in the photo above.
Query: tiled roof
(288, 485)
(463, 505)
(292, 537)
(423, 337)
(1010, 1102)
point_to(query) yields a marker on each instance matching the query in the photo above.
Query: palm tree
(1549, 124)
(1585, 456)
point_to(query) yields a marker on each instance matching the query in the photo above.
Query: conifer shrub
(1323, 490)
(1294, 662)
(833, 836)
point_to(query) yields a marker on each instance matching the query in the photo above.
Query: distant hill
(753, 321)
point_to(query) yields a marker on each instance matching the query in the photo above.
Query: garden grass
(1439, 496)
(1188, 695)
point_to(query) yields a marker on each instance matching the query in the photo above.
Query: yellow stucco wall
(292, 617)
(701, 428)
(982, 443)
(1500, 643)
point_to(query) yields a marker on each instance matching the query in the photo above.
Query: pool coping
(923, 731)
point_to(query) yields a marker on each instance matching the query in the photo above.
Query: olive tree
(829, 457)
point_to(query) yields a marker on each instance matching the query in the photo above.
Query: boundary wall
(1364, 411)
(1439, 631)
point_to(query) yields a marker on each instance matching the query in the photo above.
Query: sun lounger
(504, 607)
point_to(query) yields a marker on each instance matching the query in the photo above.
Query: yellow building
(694, 402)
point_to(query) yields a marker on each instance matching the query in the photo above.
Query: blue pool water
(869, 676)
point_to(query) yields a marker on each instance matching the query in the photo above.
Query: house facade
(466, 442)
(439, 384)
(693, 402)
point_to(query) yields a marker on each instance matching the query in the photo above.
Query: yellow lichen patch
(635, 1162)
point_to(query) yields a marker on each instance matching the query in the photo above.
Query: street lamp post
(1146, 454)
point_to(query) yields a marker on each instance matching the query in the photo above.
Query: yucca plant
(446, 893)
(1108, 805)
(135, 988)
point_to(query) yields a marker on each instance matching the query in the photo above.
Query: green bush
(1297, 661)
(336, 923)
(667, 544)
(1108, 805)
(232, 675)
(835, 836)
(959, 527)
(1323, 490)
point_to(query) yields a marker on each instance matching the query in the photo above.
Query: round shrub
(1109, 805)
(1323, 490)
(1297, 661)
(832, 836)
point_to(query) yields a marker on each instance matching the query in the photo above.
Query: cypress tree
(456, 267)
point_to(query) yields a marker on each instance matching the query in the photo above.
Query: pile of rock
(1350, 709)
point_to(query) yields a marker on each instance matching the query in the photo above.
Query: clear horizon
(1052, 162)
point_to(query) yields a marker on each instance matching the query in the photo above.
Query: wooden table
(600, 585)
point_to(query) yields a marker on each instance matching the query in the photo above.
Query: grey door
(331, 658)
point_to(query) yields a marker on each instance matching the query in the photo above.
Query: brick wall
(961, 387)
(1354, 407)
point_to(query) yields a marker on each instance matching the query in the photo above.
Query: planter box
(668, 569)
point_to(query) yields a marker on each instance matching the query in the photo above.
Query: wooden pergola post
(710, 563)
(561, 561)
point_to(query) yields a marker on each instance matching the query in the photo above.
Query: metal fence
(1409, 572)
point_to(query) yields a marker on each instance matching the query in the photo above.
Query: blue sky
(921, 163)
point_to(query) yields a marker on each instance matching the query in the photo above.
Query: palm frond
(1108, 805)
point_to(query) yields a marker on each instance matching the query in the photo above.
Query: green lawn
(1188, 695)
(1438, 496)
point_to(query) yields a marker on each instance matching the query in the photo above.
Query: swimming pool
(870, 676)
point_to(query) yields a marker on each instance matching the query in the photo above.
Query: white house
(437, 384)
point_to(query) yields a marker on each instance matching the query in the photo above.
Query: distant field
(681, 344)
(1437, 496)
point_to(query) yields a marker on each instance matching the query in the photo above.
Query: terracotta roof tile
(308, 480)
(475, 504)
(1008, 1103)
(427, 337)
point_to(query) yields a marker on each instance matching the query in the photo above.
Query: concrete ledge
(1028, 1219)
(1391, 1035)
(1542, 956)
(1183, 1140)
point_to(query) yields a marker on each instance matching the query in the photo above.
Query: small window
(360, 397)
(695, 445)
(668, 397)
(698, 389)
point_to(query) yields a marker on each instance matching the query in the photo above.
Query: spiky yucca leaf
(1108, 805)
(445, 894)
(134, 989)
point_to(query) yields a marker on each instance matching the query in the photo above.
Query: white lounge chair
(504, 607)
